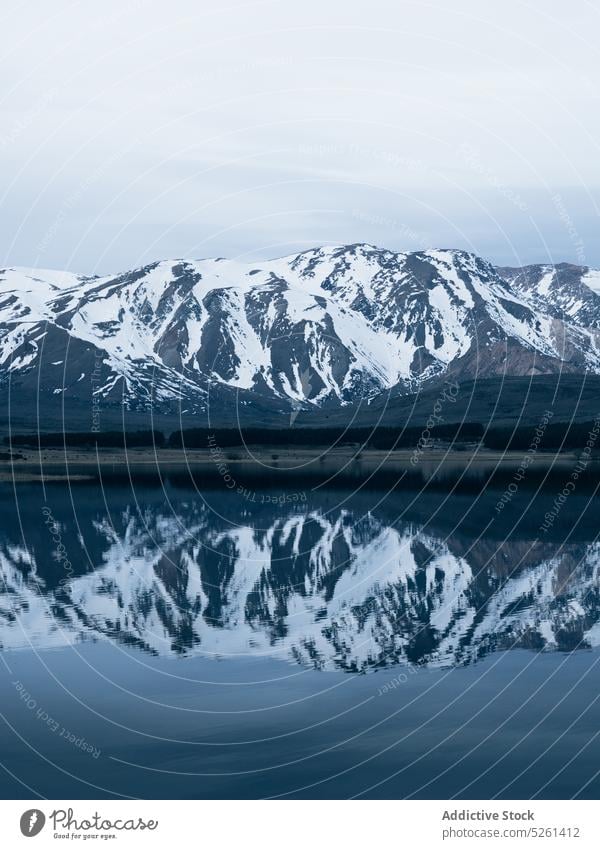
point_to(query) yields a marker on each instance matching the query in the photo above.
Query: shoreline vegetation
(448, 456)
(547, 435)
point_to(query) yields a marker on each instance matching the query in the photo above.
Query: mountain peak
(331, 326)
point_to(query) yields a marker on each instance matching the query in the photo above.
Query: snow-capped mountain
(568, 292)
(326, 327)
(328, 589)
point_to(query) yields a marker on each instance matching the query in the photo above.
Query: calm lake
(163, 640)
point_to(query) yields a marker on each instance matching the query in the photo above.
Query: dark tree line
(555, 436)
(383, 437)
(105, 439)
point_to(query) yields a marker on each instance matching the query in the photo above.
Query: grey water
(164, 639)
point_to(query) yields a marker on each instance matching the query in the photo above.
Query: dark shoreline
(469, 470)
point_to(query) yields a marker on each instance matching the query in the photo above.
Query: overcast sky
(134, 130)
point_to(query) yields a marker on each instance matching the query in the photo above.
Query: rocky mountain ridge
(323, 329)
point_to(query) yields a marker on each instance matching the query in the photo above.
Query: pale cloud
(137, 130)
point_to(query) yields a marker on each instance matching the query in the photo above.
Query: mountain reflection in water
(329, 581)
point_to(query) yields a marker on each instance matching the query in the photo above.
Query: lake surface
(163, 640)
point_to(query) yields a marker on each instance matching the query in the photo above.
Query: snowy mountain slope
(329, 590)
(326, 327)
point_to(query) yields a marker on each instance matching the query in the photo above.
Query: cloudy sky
(134, 130)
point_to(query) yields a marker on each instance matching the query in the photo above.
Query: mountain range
(325, 331)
